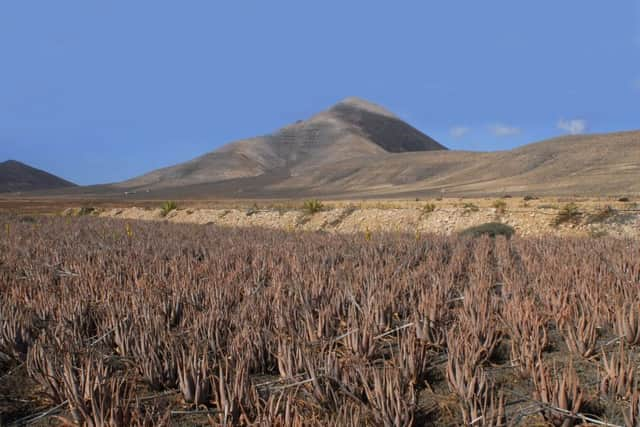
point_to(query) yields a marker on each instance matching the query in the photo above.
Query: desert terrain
(345, 270)
(320, 214)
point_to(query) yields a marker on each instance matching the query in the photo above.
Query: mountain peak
(12, 162)
(362, 104)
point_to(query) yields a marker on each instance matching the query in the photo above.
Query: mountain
(18, 177)
(352, 129)
(577, 165)
(599, 164)
(357, 149)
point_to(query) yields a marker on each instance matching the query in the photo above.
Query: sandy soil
(529, 218)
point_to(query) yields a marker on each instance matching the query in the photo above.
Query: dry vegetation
(107, 323)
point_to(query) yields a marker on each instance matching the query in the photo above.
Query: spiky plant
(628, 322)
(563, 393)
(392, 400)
(312, 207)
(618, 374)
(193, 376)
(580, 334)
(168, 207)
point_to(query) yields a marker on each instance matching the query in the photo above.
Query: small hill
(17, 177)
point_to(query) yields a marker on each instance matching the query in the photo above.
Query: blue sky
(102, 91)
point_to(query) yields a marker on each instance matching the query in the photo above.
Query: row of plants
(258, 327)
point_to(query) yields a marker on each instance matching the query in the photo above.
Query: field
(112, 322)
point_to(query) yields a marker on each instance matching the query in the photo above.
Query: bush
(312, 206)
(500, 206)
(85, 211)
(491, 229)
(623, 199)
(168, 207)
(470, 207)
(428, 208)
(529, 197)
(569, 213)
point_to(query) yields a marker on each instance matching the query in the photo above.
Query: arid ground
(530, 216)
(334, 313)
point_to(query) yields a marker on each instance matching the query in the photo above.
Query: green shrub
(500, 206)
(529, 197)
(470, 207)
(569, 213)
(491, 229)
(312, 206)
(167, 207)
(85, 210)
(428, 208)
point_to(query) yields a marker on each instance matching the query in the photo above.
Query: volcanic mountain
(16, 176)
(352, 129)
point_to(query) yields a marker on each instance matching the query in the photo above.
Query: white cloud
(573, 127)
(504, 130)
(459, 131)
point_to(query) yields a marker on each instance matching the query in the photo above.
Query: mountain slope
(358, 149)
(16, 176)
(351, 129)
(580, 164)
(585, 165)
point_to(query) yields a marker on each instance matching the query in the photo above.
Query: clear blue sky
(100, 91)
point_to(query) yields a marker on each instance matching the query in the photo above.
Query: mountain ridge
(357, 149)
(592, 164)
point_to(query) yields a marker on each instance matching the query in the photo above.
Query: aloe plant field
(112, 323)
